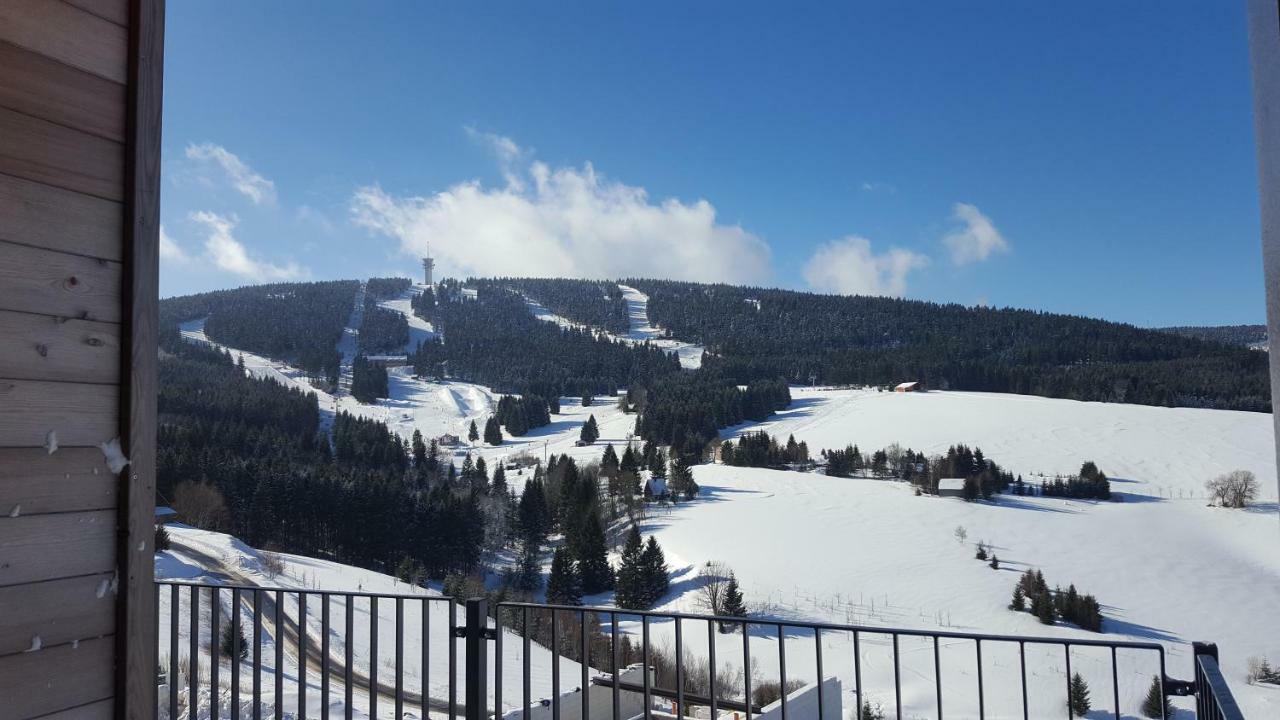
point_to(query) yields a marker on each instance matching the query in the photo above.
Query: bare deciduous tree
(713, 582)
(1235, 489)
(200, 504)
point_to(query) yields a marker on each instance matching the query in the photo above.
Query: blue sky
(1093, 158)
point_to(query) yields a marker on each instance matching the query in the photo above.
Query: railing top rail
(843, 627)
(1218, 696)
(308, 591)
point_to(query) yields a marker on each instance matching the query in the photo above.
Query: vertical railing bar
(617, 678)
(399, 657)
(746, 666)
(858, 673)
(937, 673)
(1067, 649)
(453, 659)
(349, 656)
(1164, 715)
(782, 668)
(236, 660)
(817, 643)
(897, 679)
(174, 603)
(279, 641)
(679, 667)
(555, 665)
(1022, 664)
(1115, 682)
(497, 661)
(324, 656)
(644, 646)
(711, 663)
(257, 654)
(426, 653)
(982, 699)
(524, 666)
(373, 656)
(193, 654)
(585, 662)
(215, 649)
(302, 656)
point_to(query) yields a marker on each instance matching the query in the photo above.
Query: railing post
(476, 661)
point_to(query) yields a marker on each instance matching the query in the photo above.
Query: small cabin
(655, 488)
(951, 487)
(907, 387)
(448, 440)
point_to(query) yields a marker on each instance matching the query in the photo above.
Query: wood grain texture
(70, 480)
(57, 155)
(58, 284)
(57, 611)
(57, 678)
(136, 643)
(99, 710)
(81, 415)
(44, 216)
(67, 34)
(41, 347)
(117, 11)
(48, 547)
(37, 85)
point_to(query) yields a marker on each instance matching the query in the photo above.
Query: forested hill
(762, 333)
(1251, 336)
(298, 322)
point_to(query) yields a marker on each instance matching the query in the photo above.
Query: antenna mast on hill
(428, 264)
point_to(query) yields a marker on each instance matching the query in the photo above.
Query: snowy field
(1161, 452)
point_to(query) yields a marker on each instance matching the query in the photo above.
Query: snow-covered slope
(203, 556)
(641, 330)
(1162, 452)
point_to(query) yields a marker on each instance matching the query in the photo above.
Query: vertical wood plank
(136, 612)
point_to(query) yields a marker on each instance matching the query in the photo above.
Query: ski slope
(640, 331)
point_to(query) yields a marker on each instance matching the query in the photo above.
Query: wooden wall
(79, 173)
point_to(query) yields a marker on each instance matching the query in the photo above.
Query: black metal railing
(606, 663)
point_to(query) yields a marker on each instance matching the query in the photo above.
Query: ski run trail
(1165, 566)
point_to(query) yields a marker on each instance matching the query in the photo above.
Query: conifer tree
(590, 431)
(499, 483)
(1078, 696)
(1156, 704)
(629, 592)
(653, 568)
(733, 603)
(564, 585)
(473, 433)
(609, 464)
(492, 431)
(593, 556)
(1019, 602)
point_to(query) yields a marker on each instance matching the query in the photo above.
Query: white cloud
(566, 222)
(171, 251)
(849, 267)
(878, 186)
(229, 254)
(975, 238)
(242, 177)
